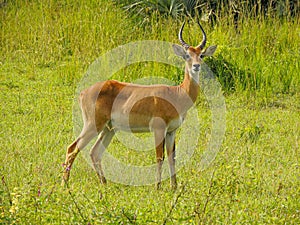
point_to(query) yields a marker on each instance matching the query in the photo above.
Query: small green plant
(252, 134)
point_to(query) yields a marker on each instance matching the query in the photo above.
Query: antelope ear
(178, 50)
(209, 51)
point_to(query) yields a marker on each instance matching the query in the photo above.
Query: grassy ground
(45, 50)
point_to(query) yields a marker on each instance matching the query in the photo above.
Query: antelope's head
(193, 55)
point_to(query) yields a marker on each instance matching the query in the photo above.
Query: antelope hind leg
(71, 154)
(84, 138)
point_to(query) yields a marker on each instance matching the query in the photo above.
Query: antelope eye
(201, 56)
(187, 57)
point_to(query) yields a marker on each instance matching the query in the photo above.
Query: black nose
(196, 66)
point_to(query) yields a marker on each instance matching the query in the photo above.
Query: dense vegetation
(46, 48)
(212, 10)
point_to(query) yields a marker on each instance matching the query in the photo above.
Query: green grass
(46, 49)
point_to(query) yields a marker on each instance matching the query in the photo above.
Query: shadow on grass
(230, 75)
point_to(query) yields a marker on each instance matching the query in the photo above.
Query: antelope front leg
(170, 146)
(98, 150)
(159, 143)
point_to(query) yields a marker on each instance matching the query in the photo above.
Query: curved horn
(202, 45)
(184, 44)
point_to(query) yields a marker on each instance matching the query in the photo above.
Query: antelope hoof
(174, 186)
(66, 175)
(103, 180)
(158, 185)
(65, 179)
(173, 182)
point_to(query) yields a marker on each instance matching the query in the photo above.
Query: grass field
(46, 48)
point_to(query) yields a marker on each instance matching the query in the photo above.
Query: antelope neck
(190, 85)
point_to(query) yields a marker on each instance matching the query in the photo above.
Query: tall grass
(267, 50)
(46, 32)
(258, 55)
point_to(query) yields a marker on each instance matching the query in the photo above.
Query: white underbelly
(143, 124)
(121, 121)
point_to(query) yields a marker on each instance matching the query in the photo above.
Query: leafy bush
(212, 10)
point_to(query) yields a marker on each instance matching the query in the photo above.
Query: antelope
(111, 106)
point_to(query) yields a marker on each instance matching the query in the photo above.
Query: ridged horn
(184, 44)
(203, 42)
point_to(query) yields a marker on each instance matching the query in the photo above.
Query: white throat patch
(194, 75)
